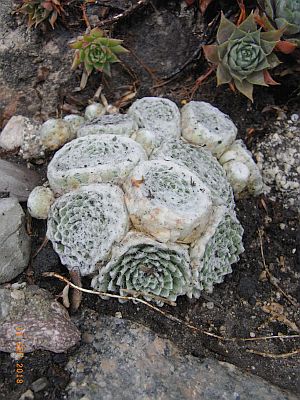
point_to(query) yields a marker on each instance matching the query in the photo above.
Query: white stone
(74, 121)
(14, 241)
(54, 133)
(114, 124)
(158, 115)
(207, 126)
(241, 170)
(93, 159)
(94, 110)
(167, 201)
(39, 202)
(12, 134)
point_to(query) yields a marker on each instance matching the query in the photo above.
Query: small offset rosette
(202, 163)
(167, 201)
(84, 224)
(141, 265)
(93, 159)
(216, 250)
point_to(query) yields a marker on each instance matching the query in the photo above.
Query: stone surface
(207, 126)
(17, 181)
(94, 110)
(278, 158)
(40, 384)
(43, 322)
(127, 361)
(12, 134)
(115, 124)
(160, 116)
(14, 241)
(54, 133)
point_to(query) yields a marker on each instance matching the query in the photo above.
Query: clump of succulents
(183, 233)
(286, 15)
(141, 264)
(96, 51)
(244, 54)
(38, 11)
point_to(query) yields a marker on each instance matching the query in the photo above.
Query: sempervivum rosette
(202, 163)
(84, 224)
(167, 201)
(93, 159)
(213, 253)
(143, 265)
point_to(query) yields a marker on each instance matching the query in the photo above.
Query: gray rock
(127, 361)
(17, 181)
(43, 322)
(14, 241)
(116, 124)
(40, 384)
(12, 134)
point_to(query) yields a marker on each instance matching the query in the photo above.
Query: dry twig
(276, 356)
(167, 315)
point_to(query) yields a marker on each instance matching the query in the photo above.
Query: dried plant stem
(272, 355)
(167, 315)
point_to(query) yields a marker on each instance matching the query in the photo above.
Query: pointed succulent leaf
(226, 28)
(211, 53)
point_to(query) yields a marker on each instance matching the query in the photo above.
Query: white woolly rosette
(93, 159)
(213, 253)
(202, 163)
(167, 201)
(114, 124)
(84, 224)
(158, 115)
(153, 269)
(205, 125)
(241, 170)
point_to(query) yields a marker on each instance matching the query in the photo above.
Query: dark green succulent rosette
(96, 51)
(286, 15)
(243, 54)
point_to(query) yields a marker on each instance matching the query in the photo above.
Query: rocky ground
(260, 297)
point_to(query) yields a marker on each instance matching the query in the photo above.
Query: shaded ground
(237, 303)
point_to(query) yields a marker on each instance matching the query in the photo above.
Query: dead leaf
(65, 296)
(268, 79)
(137, 182)
(276, 311)
(203, 4)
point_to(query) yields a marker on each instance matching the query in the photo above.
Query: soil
(163, 36)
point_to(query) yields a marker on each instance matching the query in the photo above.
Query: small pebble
(282, 226)
(210, 305)
(40, 384)
(252, 334)
(294, 117)
(28, 395)
(87, 338)
(118, 314)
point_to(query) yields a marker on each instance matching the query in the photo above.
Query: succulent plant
(84, 224)
(214, 252)
(202, 163)
(38, 11)
(96, 51)
(286, 15)
(144, 265)
(244, 54)
(167, 201)
(93, 159)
